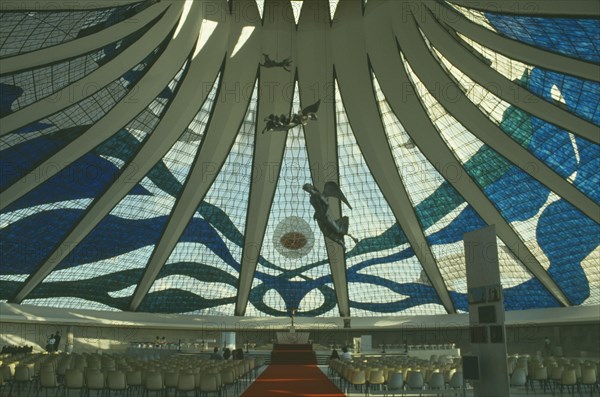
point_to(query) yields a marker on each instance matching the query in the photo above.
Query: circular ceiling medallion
(293, 240)
(293, 237)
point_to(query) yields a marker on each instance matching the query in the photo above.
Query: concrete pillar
(487, 364)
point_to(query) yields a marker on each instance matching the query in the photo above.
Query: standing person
(56, 341)
(50, 343)
(547, 347)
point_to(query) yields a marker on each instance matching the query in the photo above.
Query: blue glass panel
(26, 148)
(582, 97)
(577, 38)
(85, 178)
(567, 237)
(467, 221)
(529, 295)
(21, 158)
(8, 94)
(588, 177)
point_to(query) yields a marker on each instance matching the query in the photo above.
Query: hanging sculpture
(269, 63)
(285, 123)
(331, 228)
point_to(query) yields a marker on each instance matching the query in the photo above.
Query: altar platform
(293, 354)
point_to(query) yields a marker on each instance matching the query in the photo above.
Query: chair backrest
(396, 381)
(376, 377)
(48, 379)
(556, 373)
(171, 378)
(436, 381)
(568, 377)
(94, 380)
(73, 378)
(415, 380)
(518, 377)
(186, 382)
(22, 373)
(358, 377)
(457, 380)
(134, 378)
(540, 373)
(227, 376)
(208, 382)
(588, 375)
(448, 374)
(115, 380)
(8, 371)
(154, 381)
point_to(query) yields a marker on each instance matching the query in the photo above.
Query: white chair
(208, 384)
(456, 381)
(23, 377)
(116, 381)
(73, 381)
(568, 379)
(48, 381)
(185, 384)
(588, 378)
(436, 381)
(415, 380)
(395, 383)
(94, 381)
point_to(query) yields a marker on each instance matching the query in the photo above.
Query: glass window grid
(584, 95)
(290, 200)
(369, 218)
(76, 281)
(46, 81)
(28, 31)
(79, 116)
(517, 126)
(409, 159)
(527, 229)
(573, 37)
(188, 260)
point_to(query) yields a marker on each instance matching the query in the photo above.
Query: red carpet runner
(292, 381)
(293, 373)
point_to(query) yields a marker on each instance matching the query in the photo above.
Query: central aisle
(292, 381)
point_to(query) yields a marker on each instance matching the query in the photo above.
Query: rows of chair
(554, 374)
(391, 375)
(125, 375)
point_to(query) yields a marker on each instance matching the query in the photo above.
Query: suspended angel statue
(331, 228)
(284, 123)
(269, 63)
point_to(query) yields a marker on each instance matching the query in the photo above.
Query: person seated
(346, 355)
(226, 354)
(238, 354)
(334, 355)
(215, 354)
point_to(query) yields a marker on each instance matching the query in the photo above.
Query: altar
(292, 337)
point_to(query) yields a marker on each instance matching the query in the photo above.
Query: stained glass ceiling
(138, 175)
